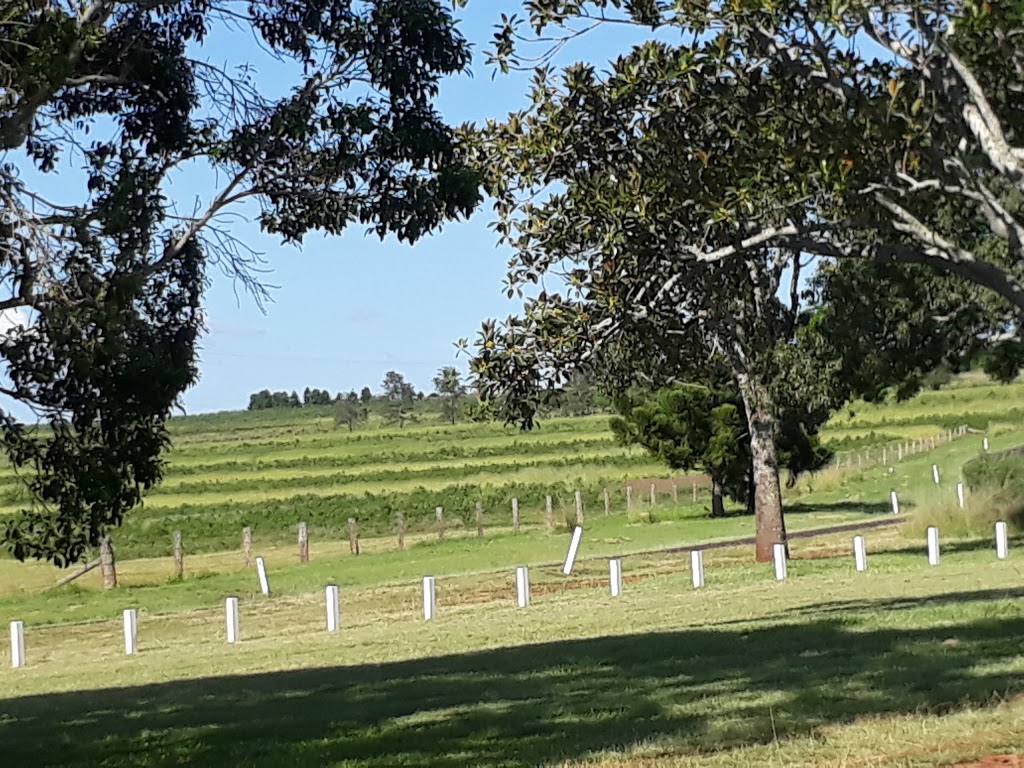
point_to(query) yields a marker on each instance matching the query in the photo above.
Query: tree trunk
(107, 565)
(717, 502)
(771, 527)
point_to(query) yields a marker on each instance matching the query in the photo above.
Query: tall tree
(690, 426)
(108, 277)
(350, 412)
(449, 386)
(693, 181)
(399, 397)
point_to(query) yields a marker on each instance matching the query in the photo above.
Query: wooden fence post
(247, 545)
(439, 513)
(401, 530)
(515, 515)
(549, 515)
(694, 491)
(108, 566)
(480, 519)
(179, 556)
(353, 535)
(607, 503)
(629, 498)
(675, 492)
(303, 543)
(579, 508)
(654, 495)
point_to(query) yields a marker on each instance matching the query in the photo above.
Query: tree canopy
(108, 279)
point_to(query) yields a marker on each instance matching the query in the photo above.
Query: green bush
(1003, 471)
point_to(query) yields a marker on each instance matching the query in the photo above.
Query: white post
(332, 600)
(131, 630)
(429, 597)
(231, 618)
(779, 556)
(1002, 540)
(615, 576)
(960, 494)
(261, 570)
(574, 546)
(522, 586)
(933, 545)
(984, 444)
(860, 553)
(697, 568)
(17, 644)
(895, 503)
(935, 473)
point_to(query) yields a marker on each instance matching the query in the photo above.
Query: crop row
(383, 477)
(147, 532)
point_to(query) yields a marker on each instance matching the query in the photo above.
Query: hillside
(272, 469)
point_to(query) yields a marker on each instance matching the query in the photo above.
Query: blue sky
(349, 308)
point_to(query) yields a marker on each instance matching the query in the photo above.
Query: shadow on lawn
(525, 705)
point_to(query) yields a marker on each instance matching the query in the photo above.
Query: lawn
(905, 664)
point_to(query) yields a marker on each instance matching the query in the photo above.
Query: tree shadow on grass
(707, 689)
(862, 507)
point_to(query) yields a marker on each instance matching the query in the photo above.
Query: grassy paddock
(902, 665)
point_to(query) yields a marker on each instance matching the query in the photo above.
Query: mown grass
(903, 665)
(829, 667)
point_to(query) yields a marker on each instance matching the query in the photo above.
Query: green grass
(903, 665)
(747, 671)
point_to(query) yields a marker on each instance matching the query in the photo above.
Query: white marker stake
(429, 597)
(779, 555)
(574, 546)
(960, 494)
(895, 503)
(615, 576)
(697, 568)
(935, 473)
(984, 444)
(522, 586)
(131, 630)
(860, 553)
(261, 569)
(231, 618)
(17, 644)
(1002, 540)
(333, 602)
(933, 545)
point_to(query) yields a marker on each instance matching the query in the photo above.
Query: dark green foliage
(349, 412)
(399, 399)
(112, 273)
(449, 386)
(1003, 471)
(1001, 474)
(695, 427)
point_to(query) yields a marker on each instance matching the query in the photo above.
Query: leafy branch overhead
(855, 120)
(108, 279)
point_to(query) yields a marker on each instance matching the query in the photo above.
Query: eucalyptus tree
(105, 274)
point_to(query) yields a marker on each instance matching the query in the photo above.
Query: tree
(448, 385)
(690, 426)
(881, 114)
(109, 279)
(350, 412)
(399, 397)
(693, 185)
(261, 400)
(366, 395)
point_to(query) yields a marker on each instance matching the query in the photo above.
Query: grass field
(903, 665)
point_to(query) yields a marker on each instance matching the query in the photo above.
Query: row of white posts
(615, 581)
